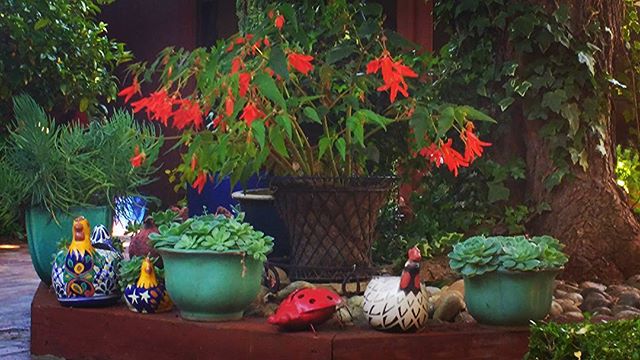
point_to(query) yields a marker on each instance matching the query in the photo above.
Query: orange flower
(250, 113)
(243, 83)
(128, 92)
(228, 106)
(194, 162)
(201, 180)
(393, 74)
(236, 64)
(473, 145)
(279, 22)
(444, 154)
(266, 41)
(159, 106)
(138, 157)
(189, 113)
(300, 62)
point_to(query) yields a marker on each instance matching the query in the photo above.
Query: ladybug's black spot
(312, 300)
(329, 297)
(300, 296)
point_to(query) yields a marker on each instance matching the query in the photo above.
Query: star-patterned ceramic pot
(148, 295)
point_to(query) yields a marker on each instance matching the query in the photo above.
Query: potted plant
(213, 265)
(508, 280)
(308, 97)
(68, 171)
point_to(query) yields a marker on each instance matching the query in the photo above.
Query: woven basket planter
(331, 223)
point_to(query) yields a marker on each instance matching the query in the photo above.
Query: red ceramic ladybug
(304, 308)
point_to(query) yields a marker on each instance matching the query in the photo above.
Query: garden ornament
(148, 294)
(305, 308)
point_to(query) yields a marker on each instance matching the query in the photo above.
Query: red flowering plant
(302, 95)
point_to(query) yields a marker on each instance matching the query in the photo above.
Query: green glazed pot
(509, 297)
(44, 233)
(210, 286)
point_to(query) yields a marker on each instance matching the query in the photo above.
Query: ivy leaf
(505, 103)
(312, 114)
(277, 141)
(269, 89)
(554, 179)
(554, 99)
(572, 114)
(341, 145)
(522, 88)
(278, 62)
(497, 192)
(523, 25)
(587, 59)
(257, 128)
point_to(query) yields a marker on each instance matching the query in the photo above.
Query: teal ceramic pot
(211, 286)
(509, 298)
(44, 233)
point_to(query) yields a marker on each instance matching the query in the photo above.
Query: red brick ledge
(117, 333)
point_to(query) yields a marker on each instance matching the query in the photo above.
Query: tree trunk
(590, 213)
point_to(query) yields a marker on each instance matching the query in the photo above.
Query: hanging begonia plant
(302, 96)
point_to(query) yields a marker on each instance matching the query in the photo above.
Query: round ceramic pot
(44, 233)
(509, 298)
(211, 286)
(260, 211)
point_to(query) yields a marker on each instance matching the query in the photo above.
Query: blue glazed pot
(217, 192)
(260, 211)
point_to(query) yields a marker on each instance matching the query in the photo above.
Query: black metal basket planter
(331, 224)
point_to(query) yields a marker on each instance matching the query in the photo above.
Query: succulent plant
(479, 254)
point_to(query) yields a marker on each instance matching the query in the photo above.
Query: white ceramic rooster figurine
(395, 303)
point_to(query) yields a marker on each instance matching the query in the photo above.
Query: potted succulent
(308, 97)
(68, 171)
(508, 280)
(213, 265)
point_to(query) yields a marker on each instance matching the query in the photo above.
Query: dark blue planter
(260, 211)
(217, 192)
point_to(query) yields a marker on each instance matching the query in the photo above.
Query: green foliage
(479, 254)
(58, 52)
(615, 340)
(61, 166)
(628, 174)
(215, 233)
(129, 271)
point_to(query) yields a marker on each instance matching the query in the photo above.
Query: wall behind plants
(57, 52)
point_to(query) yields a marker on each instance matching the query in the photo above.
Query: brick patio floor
(18, 283)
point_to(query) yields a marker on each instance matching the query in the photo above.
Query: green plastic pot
(211, 286)
(44, 233)
(509, 298)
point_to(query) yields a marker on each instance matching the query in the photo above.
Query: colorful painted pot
(85, 274)
(148, 295)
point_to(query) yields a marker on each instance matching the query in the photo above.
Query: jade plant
(215, 233)
(479, 254)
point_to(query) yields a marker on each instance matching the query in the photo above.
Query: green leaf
(375, 118)
(554, 179)
(258, 130)
(268, 88)
(356, 126)
(588, 60)
(572, 114)
(554, 99)
(277, 141)
(84, 104)
(312, 114)
(497, 192)
(445, 121)
(278, 62)
(522, 88)
(340, 52)
(41, 23)
(341, 145)
(505, 103)
(420, 123)
(323, 145)
(475, 114)
(285, 122)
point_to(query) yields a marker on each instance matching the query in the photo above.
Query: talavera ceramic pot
(211, 286)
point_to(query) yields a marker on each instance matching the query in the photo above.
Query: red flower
(194, 162)
(218, 122)
(270, 14)
(128, 92)
(230, 47)
(473, 145)
(266, 41)
(250, 113)
(189, 113)
(236, 64)
(201, 180)
(159, 106)
(243, 83)
(444, 154)
(300, 62)
(228, 106)
(393, 74)
(138, 158)
(279, 22)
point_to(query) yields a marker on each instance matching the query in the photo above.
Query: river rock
(627, 315)
(555, 310)
(566, 286)
(573, 316)
(465, 317)
(448, 306)
(594, 299)
(634, 281)
(457, 286)
(629, 299)
(432, 290)
(620, 308)
(602, 311)
(560, 294)
(575, 297)
(592, 285)
(602, 318)
(565, 302)
(617, 290)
